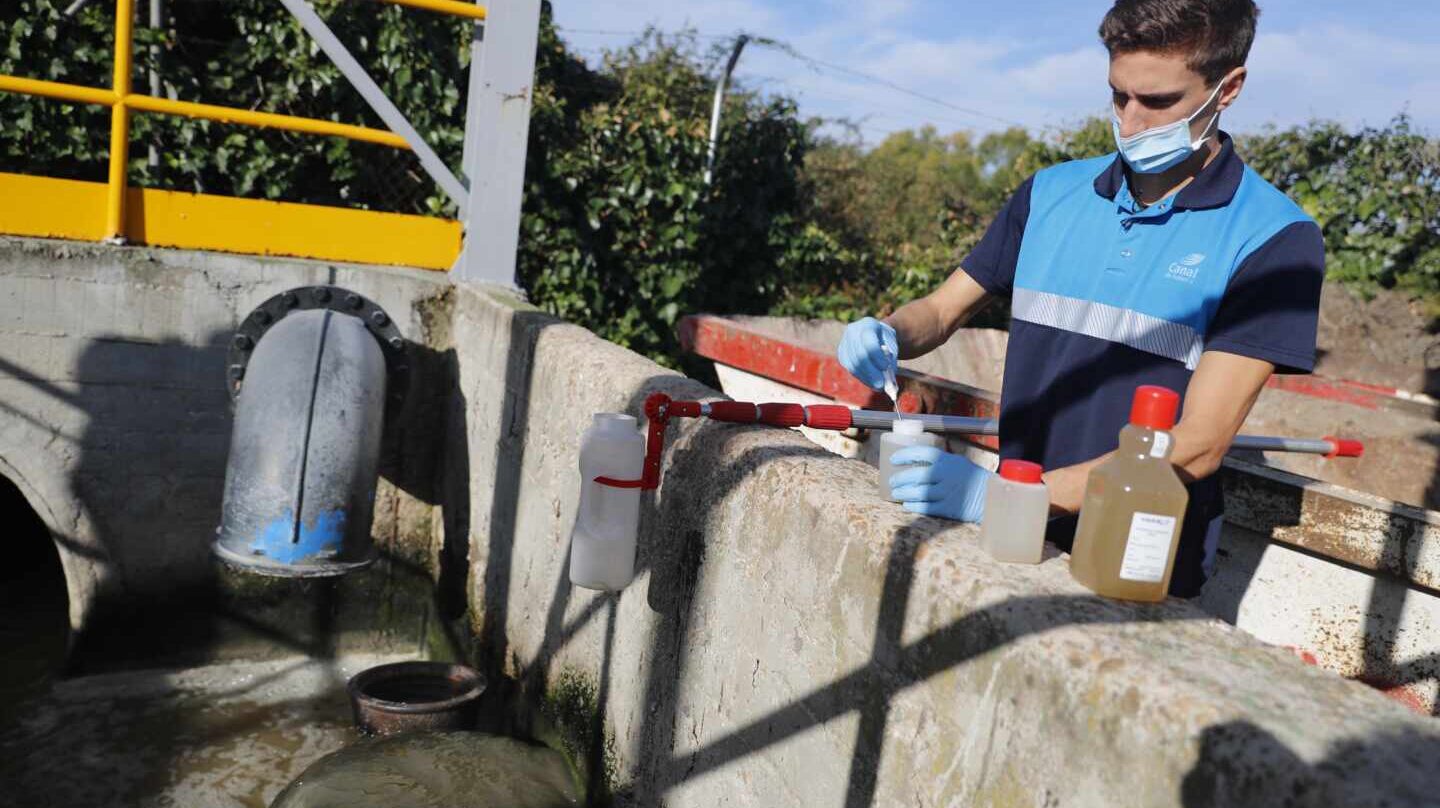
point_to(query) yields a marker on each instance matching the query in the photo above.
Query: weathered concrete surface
(1371, 617)
(114, 421)
(225, 736)
(793, 640)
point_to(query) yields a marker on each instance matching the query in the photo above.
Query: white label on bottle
(1160, 444)
(1148, 548)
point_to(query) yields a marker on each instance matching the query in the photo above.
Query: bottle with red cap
(1017, 505)
(1134, 504)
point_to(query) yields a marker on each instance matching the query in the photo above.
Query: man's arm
(989, 270)
(925, 324)
(1221, 393)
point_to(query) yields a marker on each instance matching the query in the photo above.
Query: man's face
(1151, 89)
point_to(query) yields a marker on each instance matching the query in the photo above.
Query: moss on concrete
(571, 707)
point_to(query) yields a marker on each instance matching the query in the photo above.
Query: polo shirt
(1107, 296)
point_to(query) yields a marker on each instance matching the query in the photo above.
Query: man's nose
(1131, 123)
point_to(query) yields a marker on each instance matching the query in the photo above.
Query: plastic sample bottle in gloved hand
(905, 433)
(939, 484)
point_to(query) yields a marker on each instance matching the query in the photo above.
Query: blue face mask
(1154, 150)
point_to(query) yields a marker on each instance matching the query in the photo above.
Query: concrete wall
(114, 417)
(794, 640)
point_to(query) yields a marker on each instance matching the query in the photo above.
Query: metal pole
(378, 101)
(960, 425)
(719, 104)
(157, 22)
(497, 134)
(119, 123)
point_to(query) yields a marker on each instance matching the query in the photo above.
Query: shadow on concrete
(494, 644)
(1243, 764)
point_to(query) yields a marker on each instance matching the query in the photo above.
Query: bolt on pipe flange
(306, 298)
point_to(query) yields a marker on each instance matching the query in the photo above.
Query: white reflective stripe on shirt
(1142, 332)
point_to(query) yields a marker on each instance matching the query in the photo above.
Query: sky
(982, 66)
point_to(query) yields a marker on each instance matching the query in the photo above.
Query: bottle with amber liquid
(1134, 505)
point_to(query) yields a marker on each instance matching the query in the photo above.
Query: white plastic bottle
(905, 432)
(602, 545)
(1017, 506)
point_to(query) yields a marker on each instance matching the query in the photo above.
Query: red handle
(828, 416)
(1344, 447)
(786, 415)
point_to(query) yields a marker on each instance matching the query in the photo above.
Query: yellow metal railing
(122, 101)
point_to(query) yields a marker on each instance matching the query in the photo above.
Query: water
(436, 770)
(232, 735)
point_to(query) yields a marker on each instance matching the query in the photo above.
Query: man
(1171, 263)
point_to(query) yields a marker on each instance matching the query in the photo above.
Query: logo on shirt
(1186, 269)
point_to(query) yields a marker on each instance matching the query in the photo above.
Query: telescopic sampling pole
(660, 408)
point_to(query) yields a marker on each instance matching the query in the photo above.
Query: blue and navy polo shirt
(1107, 296)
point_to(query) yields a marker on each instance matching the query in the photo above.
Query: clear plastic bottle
(602, 544)
(1134, 505)
(905, 432)
(1017, 505)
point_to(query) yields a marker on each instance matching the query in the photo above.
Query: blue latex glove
(940, 484)
(863, 352)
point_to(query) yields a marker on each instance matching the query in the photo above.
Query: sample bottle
(904, 432)
(1134, 504)
(602, 545)
(1017, 505)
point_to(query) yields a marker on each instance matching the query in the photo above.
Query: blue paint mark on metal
(322, 537)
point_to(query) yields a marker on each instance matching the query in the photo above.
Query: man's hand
(942, 484)
(863, 352)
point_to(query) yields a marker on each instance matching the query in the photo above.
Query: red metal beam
(721, 340)
(1359, 394)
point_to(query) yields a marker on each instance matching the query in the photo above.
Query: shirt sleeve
(1272, 305)
(992, 263)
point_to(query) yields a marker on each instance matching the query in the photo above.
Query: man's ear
(1233, 84)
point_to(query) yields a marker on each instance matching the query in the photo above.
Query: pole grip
(735, 412)
(828, 416)
(786, 415)
(1344, 447)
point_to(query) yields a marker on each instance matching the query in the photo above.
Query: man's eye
(1119, 99)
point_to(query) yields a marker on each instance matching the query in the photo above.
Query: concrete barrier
(791, 639)
(794, 640)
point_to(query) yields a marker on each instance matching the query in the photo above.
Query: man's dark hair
(1216, 35)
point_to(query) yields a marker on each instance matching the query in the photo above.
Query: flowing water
(232, 735)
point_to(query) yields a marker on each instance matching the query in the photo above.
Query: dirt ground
(1385, 340)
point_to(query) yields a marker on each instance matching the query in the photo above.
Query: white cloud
(1336, 73)
(1326, 71)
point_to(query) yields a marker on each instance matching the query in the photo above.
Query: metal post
(377, 100)
(497, 130)
(719, 104)
(157, 22)
(119, 123)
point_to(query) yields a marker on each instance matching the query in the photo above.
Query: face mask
(1154, 150)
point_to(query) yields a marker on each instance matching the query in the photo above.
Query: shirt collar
(1213, 187)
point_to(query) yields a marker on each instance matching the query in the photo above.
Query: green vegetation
(620, 232)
